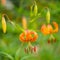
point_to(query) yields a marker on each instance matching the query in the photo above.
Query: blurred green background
(10, 46)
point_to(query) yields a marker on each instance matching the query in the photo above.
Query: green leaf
(6, 54)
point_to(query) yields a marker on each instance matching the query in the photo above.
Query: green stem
(29, 44)
(17, 55)
(52, 37)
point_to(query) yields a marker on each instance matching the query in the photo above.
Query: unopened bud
(35, 9)
(3, 24)
(24, 23)
(48, 16)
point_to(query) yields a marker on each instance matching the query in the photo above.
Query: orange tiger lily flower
(49, 29)
(28, 36)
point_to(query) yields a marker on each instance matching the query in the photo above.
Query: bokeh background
(10, 46)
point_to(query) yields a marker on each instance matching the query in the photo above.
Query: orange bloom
(28, 36)
(49, 29)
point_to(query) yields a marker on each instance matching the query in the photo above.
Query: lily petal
(56, 27)
(44, 29)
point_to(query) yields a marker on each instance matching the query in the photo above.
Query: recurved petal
(56, 27)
